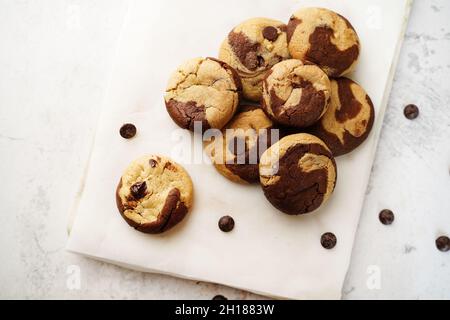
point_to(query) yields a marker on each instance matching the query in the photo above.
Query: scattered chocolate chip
(328, 240)
(138, 190)
(270, 33)
(153, 163)
(226, 223)
(386, 217)
(443, 243)
(219, 297)
(128, 130)
(411, 111)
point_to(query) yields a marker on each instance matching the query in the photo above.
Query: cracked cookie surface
(295, 94)
(252, 48)
(298, 174)
(236, 153)
(349, 118)
(203, 90)
(325, 38)
(154, 194)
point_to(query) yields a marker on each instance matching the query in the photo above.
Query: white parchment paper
(268, 252)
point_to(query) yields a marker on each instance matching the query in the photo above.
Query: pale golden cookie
(236, 153)
(154, 194)
(349, 117)
(325, 38)
(295, 94)
(298, 174)
(252, 48)
(203, 91)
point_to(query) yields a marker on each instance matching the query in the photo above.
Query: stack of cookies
(278, 96)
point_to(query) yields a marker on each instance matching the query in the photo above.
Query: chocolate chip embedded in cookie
(252, 48)
(203, 90)
(349, 117)
(325, 38)
(236, 153)
(298, 174)
(295, 94)
(154, 194)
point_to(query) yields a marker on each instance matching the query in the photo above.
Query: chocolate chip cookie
(203, 91)
(298, 174)
(325, 38)
(154, 194)
(349, 117)
(236, 153)
(295, 94)
(252, 48)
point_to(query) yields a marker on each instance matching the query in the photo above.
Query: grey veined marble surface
(55, 59)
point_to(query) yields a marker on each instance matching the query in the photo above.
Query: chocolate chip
(152, 163)
(328, 240)
(411, 111)
(270, 33)
(138, 190)
(128, 130)
(386, 217)
(443, 243)
(219, 297)
(226, 223)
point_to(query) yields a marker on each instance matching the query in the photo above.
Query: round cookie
(298, 174)
(203, 90)
(252, 48)
(236, 153)
(295, 94)
(154, 194)
(325, 38)
(349, 118)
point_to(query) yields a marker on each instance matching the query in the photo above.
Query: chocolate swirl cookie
(298, 174)
(349, 118)
(295, 94)
(325, 38)
(252, 48)
(236, 153)
(203, 90)
(154, 194)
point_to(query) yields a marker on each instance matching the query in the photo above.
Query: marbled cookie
(298, 174)
(325, 38)
(252, 48)
(295, 94)
(154, 194)
(236, 153)
(349, 117)
(203, 90)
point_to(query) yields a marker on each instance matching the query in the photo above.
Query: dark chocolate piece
(443, 243)
(226, 223)
(128, 131)
(411, 111)
(386, 217)
(328, 240)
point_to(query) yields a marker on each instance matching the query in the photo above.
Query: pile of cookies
(279, 96)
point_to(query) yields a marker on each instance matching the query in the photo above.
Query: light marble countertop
(55, 59)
